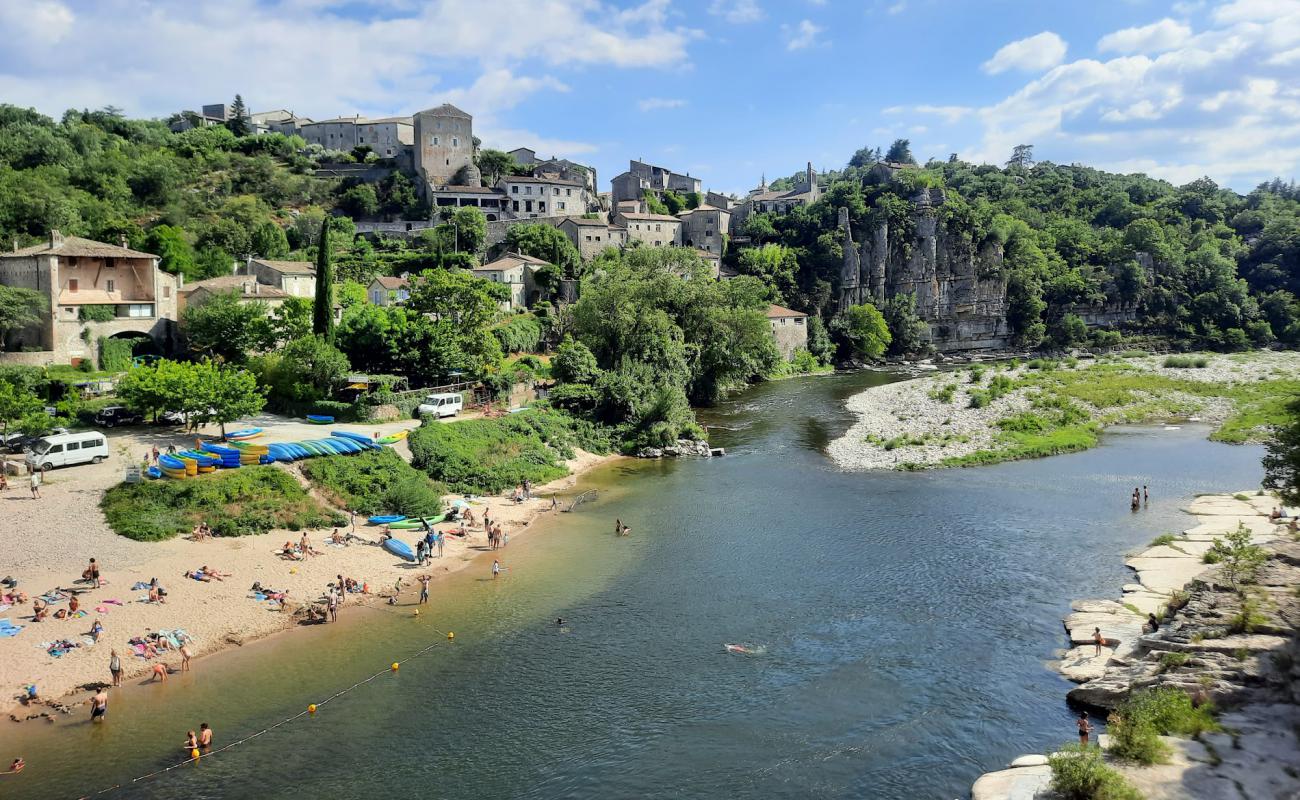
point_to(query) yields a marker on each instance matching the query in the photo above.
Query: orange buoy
(311, 709)
(395, 666)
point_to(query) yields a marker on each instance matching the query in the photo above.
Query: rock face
(682, 449)
(959, 284)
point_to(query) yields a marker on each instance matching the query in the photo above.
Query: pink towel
(101, 609)
(114, 602)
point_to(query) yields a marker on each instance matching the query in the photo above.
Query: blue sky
(725, 89)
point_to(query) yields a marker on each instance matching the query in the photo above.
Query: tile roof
(445, 110)
(288, 267)
(587, 223)
(244, 284)
(531, 179)
(509, 261)
(776, 312)
(389, 282)
(75, 246)
(648, 217)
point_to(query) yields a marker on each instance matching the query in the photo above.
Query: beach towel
(8, 629)
(140, 585)
(114, 602)
(101, 609)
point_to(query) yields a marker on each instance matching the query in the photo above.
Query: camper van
(441, 405)
(66, 449)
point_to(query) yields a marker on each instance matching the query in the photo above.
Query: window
(167, 291)
(528, 205)
(433, 140)
(541, 205)
(455, 142)
(136, 310)
(568, 193)
(561, 205)
(516, 205)
(528, 190)
(589, 238)
(514, 190)
(708, 233)
(798, 320)
(58, 448)
(109, 285)
(72, 284)
(782, 321)
(556, 190)
(74, 446)
(598, 238)
(437, 125)
(658, 227)
(658, 243)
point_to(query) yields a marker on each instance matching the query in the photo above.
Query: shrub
(1136, 726)
(100, 313)
(1164, 539)
(238, 502)
(944, 394)
(1171, 660)
(1241, 560)
(519, 334)
(376, 482)
(1080, 773)
(115, 354)
(492, 455)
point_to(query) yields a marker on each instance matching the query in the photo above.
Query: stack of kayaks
(173, 467)
(230, 456)
(238, 453)
(320, 419)
(204, 462)
(252, 453)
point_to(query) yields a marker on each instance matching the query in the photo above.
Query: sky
(727, 90)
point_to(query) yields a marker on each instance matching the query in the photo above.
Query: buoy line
(311, 709)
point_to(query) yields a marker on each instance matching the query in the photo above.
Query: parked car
(441, 405)
(66, 449)
(19, 443)
(109, 416)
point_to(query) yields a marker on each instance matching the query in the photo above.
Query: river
(904, 621)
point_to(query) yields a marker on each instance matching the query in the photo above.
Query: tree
(547, 243)
(493, 165)
(463, 230)
(1022, 155)
(269, 241)
(1068, 331)
(238, 123)
(15, 404)
(1282, 461)
(457, 296)
(573, 362)
(322, 320)
(360, 201)
(865, 157)
(865, 331)
(1238, 559)
(212, 262)
(175, 255)
(291, 319)
(900, 152)
(774, 264)
(230, 393)
(309, 369)
(907, 330)
(227, 328)
(19, 308)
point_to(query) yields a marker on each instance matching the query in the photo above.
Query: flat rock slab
(1211, 528)
(1080, 664)
(1019, 783)
(1166, 575)
(1217, 505)
(1247, 642)
(1146, 602)
(1175, 550)
(1029, 761)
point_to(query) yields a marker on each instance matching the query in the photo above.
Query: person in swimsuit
(191, 742)
(99, 706)
(115, 667)
(186, 655)
(496, 569)
(1085, 728)
(159, 673)
(424, 588)
(17, 765)
(1098, 640)
(205, 736)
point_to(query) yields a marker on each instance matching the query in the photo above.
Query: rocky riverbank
(995, 412)
(1235, 649)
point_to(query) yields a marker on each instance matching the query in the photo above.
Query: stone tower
(444, 147)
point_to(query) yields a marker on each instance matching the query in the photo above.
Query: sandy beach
(913, 424)
(49, 541)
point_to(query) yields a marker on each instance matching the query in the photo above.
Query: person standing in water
(618, 527)
(1085, 728)
(424, 588)
(205, 736)
(99, 706)
(1146, 496)
(496, 569)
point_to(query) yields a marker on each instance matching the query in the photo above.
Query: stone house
(339, 133)
(444, 147)
(388, 291)
(705, 228)
(789, 329)
(386, 137)
(516, 271)
(92, 289)
(762, 201)
(718, 200)
(524, 156)
(530, 196)
(592, 236)
(655, 230)
(246, 287)
(294, 278)
(642, 177)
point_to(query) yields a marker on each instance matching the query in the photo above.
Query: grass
(1080, 773)
(1172, 660)
(375, 482)
(1186, 362)
(1165, 539)
(1015, 446)
(238, 502)
(944, 394)
(489, 456)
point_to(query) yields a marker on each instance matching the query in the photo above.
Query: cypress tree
(322, 317)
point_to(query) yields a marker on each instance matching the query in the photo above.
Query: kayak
(320, 419)
(399, 548)
(393, 438)
(247, 433)
(413, 524)
(386, 519)
(356, 437)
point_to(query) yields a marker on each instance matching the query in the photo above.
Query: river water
(904, 621)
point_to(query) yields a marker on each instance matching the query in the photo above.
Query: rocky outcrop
(682, 449)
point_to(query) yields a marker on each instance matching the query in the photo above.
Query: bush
(115, 354)
(376, 482)
(1186, 362)
(489, 456)
(1080, 773)
(1136, 726)
(238, 502)
(521, 333)
(102, 313)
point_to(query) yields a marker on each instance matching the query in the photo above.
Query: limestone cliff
(960, 289)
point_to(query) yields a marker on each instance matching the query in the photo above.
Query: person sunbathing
(198, 575)
(290, 552)
(156, 594)
(96, 631)
(41, 610)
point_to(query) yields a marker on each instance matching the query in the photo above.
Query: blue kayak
(386, 519)
(399, 548)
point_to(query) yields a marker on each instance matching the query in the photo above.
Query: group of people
(1139, 497)
(201, 532)
(424, 547)
(207, 574)
(300, 551)
(202, 741)
(522, 492)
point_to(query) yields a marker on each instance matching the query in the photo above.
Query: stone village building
(789, 328)
(76, 275)
(592, 236)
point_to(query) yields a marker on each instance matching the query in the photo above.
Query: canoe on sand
(399, 548)
(386, 519)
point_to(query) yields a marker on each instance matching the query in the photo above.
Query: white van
(441, 405)
(66, 449)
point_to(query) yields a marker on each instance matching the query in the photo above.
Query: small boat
(386, 519)
(356, 437)
(247, 433)
(399, 548)
(153, 472)
(320, 419)
(417, 523)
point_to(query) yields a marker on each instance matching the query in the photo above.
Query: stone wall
(496, 231)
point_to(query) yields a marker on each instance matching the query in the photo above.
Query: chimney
(248, 265)
(56, 238)
(257, 287)
(121, 239)
(808, 173)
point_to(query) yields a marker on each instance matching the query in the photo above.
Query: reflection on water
(905, 619)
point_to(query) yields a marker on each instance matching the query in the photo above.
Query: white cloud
(1154, 38)
(802, 36)
(897, 8)
(737, 12)
(1221, 101)
(40, 22)
(1033, 54)
(950, 114)
(659, 103)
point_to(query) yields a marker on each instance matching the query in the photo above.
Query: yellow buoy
(450, 635)
(311, 709)
(194, 753)
(417, 612)
(395, 666)
(293, 571)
